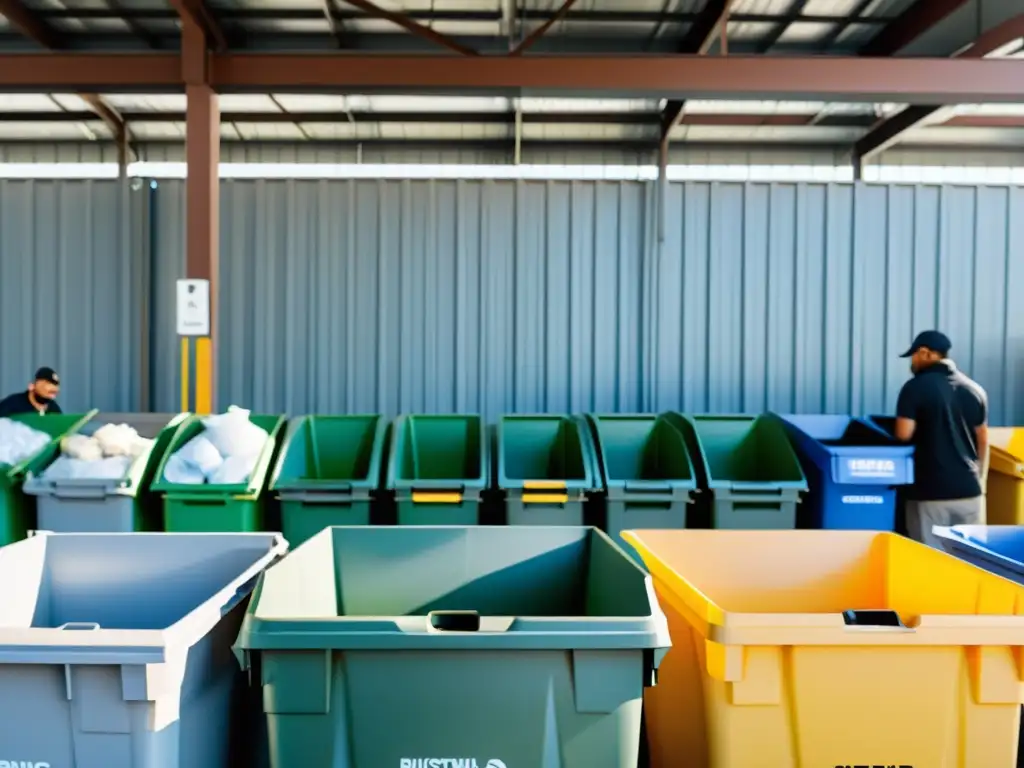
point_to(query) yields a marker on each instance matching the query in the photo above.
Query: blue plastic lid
(1004, 543)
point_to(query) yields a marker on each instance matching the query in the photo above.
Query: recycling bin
(544, 469)
(482, 646)
(753, 477)
(646, 472)
(115, 648)
(18, 511)
(438, 468)
(852, 468)
(103, 505)
(327, 472)
(1005, 484)
(807, 648)
(215, 507)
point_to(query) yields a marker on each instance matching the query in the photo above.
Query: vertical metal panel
(71, 264)
(499, 296)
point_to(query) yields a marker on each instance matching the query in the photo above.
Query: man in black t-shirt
(945, 415)
(40, 397)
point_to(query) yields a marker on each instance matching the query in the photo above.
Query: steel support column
(202, 197)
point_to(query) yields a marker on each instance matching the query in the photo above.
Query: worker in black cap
(40, 397)
(945, 415)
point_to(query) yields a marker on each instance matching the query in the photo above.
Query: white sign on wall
(193, 307)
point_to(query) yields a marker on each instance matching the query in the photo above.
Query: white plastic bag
(18, 442)
(232, 434)
(200, 454)
(180, 472)
(234, 470)
(82, 448)
(116, 439)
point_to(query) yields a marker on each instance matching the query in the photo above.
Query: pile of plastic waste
(107, 454)
(224, 453)
(18, 442)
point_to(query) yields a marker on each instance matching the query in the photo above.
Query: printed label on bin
(870, 471)
(863, 500)
(446, 762)
(22, 764)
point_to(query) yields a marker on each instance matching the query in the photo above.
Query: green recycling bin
(327, 472)
(438, 469)
(647, 472)
(215, 508)
(485, 646)
(18, 511)
(544, 469)
(105, 505)
(754, 479)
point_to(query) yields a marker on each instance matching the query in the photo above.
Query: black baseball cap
(936, 341)
(47, 374)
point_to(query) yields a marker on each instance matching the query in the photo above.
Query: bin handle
(80, 492)
(755, 487)
(647, 486)
(80, 626)
(874, 620)
(440, 622)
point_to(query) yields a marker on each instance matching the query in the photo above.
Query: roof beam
(197, 13)
(910, 25)
(542, 30)
(420, 30)
(888, 131)
(829, 78)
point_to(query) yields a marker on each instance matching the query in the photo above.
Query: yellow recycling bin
(1005, 491)
(800, 649)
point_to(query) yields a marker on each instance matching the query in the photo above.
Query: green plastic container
(544, 469)
(18, 511)
(383, 647)
(754, 478)
(327, 472)
(647, 472)
(217, 508)
(438, 469)
(84, 505)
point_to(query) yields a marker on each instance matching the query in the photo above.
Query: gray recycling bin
(395, 647)
(103, 505)
(115, 648)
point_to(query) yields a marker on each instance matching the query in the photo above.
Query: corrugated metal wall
(494, 296)
(73, 264)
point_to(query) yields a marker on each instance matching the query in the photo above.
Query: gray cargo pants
(922, 515)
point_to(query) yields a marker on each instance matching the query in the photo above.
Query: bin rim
(792, 422)
(100, 646)
(794, 486)
(131, 483)
(370, 482)
(586, 484)
(257, 479)
(481, 482)
(748, 628)
(15, 471)
(369, 632)
(616, 485)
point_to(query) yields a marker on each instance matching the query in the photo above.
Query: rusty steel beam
(909, 25)
(888, 131)
(197, 13)
(91, 72)
(542, 30)
(29, 25)
(420, 30)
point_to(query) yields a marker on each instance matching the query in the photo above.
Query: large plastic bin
(753, 478)
(18, 511)
(646, 470)
(214, 508)
(327, 472)
(852, 469)
(824, 648)
(103, 505)
(544, 469)
(507, 646)
(115, 649)
(1005, 486)
(438, 469)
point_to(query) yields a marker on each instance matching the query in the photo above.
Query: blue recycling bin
(853, 469)
(996, 548)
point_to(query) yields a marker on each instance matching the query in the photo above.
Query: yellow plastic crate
(1005, 489)
(765, 672)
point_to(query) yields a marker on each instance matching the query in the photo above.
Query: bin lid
(1003, 544)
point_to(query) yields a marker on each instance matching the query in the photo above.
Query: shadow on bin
(824, 648)
(103, 505)
(115, 649)
(515, 646)
(853, 469)
(17, 510)
(327, 472)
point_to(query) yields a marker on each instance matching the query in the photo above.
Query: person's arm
(981, 440)
(906, 413)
